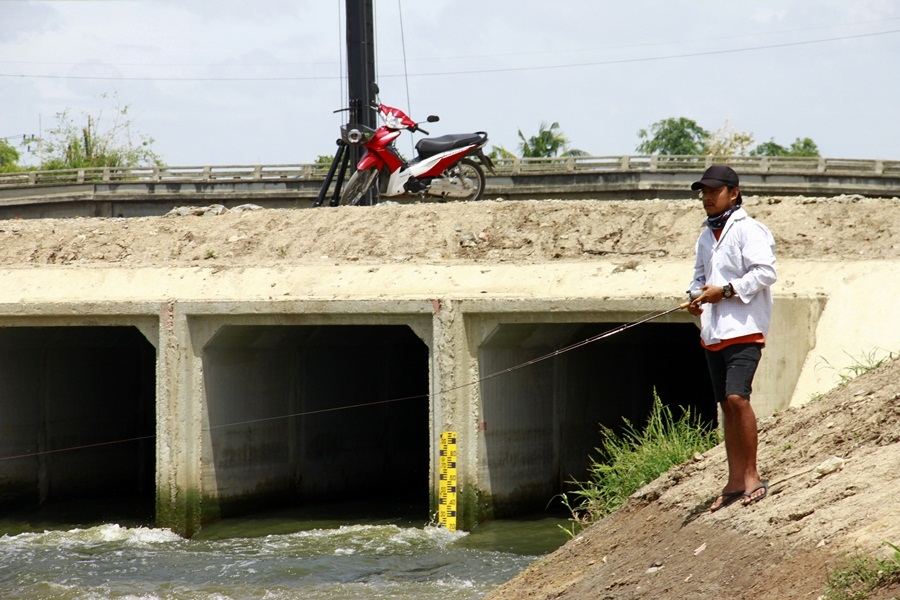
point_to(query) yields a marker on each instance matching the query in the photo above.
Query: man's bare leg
(740, 425)
(735, 484)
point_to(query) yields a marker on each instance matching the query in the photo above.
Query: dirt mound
(520, 231)
(833, 467)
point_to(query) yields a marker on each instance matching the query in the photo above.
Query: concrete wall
(233, 353)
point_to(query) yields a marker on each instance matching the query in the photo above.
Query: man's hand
(709, 293)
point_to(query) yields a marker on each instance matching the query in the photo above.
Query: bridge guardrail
(504, 167)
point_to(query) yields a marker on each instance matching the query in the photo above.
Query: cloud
(21, 18)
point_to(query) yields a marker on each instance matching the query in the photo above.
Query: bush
(862, 576)
(628, 461)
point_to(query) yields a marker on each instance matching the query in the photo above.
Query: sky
(228, 82)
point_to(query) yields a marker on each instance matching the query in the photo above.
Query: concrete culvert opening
(77, 387)
(541, 423)
(361, 462)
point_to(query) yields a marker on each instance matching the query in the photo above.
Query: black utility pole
(362, 92)
(360, 66)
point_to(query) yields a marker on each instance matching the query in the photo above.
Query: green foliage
(804, 147)
(546, 143)
(501, 153)
(865, 362)
(93, 143)
(680, 135)
(677, 135)
(800, 147)
(628, 461)
(770, 148)
(9, 157)
(324, 160)
(863, 575)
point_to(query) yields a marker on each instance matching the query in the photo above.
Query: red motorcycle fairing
(378, 152)
(402, 117)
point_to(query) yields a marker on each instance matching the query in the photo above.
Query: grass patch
(861, 364)
(628, 461)
(862, 576)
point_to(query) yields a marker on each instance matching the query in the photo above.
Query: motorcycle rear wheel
(469, 173)
(357, 186)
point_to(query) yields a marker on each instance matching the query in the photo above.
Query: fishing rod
(559, 351)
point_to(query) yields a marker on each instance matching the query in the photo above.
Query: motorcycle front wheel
(470, 176)
(357, 186)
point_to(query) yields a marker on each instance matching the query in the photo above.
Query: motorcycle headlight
(392, 121)
(354, 136)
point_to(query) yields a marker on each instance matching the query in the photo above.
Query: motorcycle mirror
(433, 118)
(375, 88)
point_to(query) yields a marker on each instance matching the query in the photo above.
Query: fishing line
(590, 340)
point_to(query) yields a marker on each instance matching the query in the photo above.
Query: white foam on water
(111, 532)
(436, 535)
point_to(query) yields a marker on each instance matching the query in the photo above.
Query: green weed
(626, 462)
(861, 364)
(863, 575)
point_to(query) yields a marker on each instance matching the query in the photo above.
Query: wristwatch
(727, 290)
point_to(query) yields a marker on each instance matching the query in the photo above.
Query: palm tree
(547, 143)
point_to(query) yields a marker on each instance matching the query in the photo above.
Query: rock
(214, 210)
(700, 549)
(246, 208)
(801, 515)
(187, 211)
(467, 240)
(829, 465)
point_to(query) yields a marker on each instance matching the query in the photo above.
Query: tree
(71, 146)
(324, 160)
(501, 153)
(725, 141)
(800, 147)
(9, 157)
(804, 147)
(770, 148)
(547, 143)
(677, 135)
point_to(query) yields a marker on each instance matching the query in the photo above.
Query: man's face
(718, 199)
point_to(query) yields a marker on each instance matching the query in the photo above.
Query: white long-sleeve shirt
(744, 256)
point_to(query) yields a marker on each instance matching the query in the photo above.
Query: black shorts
(732, 369)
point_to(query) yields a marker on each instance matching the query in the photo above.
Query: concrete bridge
(129, 192)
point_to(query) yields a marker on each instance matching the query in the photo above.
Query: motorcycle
(449, 166)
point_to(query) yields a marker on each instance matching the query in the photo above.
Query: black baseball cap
(717, 176)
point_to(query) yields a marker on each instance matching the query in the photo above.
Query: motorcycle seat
(430, 146)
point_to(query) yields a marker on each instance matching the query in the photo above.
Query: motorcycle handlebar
(417, 128)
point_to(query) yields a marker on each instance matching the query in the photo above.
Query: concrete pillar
(178, 490)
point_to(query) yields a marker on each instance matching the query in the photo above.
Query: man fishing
(730, 292)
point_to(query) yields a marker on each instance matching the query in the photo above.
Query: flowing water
(273, 557)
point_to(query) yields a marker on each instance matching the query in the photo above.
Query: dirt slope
(523, 231)
(663, 544)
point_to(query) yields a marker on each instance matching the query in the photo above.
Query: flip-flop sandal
(749, 498)
(727, 498)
